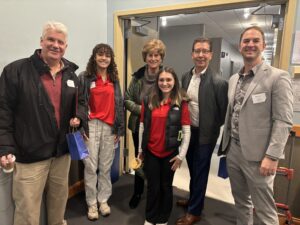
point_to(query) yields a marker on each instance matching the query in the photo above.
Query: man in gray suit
(257, 125)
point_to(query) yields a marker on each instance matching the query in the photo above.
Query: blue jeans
(198, 158)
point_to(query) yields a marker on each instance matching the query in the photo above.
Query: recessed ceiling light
(164, 21)
(246, 13)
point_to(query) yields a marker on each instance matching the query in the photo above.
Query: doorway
(280, 56)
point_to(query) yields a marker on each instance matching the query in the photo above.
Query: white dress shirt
(193, 93)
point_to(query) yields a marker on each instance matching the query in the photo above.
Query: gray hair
(57, 26)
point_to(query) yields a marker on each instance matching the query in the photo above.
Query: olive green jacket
(132, 99)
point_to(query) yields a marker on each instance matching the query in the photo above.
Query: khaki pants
(31, 180)
(98, 187)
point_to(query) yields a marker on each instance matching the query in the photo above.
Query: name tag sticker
(70, 83)
(179, 138)
(93, 84)
(259, 98)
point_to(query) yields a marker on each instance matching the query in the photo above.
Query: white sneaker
(93, 212)
(104, 209)
(148, 223)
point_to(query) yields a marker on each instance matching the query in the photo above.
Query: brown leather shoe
(188, 219)
(182, 202)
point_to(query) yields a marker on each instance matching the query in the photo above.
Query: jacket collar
(259, 74)
(43, 68)
(203, 76)
(141, 72)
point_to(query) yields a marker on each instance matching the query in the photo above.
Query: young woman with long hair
(105, 126)
(164, 136)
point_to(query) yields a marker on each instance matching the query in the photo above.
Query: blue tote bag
(222, 171)
(77, 146)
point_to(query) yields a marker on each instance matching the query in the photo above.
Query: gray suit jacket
(266, 115)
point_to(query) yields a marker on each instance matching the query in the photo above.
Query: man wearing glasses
(208, 93)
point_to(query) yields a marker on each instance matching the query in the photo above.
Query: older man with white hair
(37, 105)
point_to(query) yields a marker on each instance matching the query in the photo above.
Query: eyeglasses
(198, 51)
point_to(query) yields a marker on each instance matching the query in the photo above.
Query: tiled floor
(217, 188)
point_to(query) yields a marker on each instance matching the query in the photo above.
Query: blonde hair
(154, 45)
(57, 26)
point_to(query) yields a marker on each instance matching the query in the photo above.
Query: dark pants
(198, 158)
(159, 188)
(138, 180)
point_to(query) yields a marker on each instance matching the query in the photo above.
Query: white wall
(21, 25)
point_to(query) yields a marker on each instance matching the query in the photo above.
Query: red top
(102, 101)
(157, 135)
(53, 89)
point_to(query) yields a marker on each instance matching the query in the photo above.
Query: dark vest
(173, 128)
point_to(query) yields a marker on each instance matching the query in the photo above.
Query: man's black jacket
(28, 126)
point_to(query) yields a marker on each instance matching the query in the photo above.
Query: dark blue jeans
(198, 158)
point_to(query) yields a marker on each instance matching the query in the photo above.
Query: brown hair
(202, 40)
(177, 94)
(91, 67)
(253, 28)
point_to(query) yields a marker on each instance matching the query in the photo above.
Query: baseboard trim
(296, 221)
(76, 188)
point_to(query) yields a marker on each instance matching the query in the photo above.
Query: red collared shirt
(52, 86)
(157, 138)
(102, 101)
